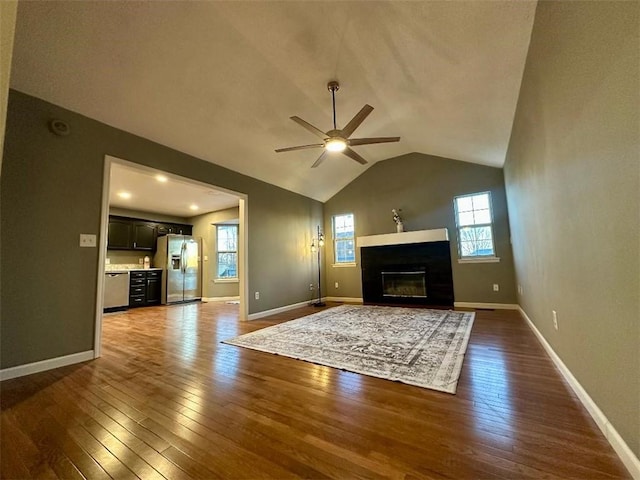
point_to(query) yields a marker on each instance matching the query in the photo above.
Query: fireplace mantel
(420, 236)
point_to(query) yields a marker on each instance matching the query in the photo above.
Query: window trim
(217, 278)
(334, 240)
(344, 264)
(226, 280)
(480, 259)
(489, 258)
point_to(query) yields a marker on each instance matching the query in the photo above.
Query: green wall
(572, 178)
(204, 227)
(8, 12)
(423, 186)
(52, 192)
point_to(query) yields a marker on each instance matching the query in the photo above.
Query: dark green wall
(52, 192)
(423, 186)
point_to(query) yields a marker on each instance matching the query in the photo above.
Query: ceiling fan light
(335, 145)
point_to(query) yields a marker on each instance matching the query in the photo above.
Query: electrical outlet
(257, 295)
(520, 289)
(496, 287)
(337, 285)
(555, 319)
(141, 261)
(107, 261)
(87, 240)
(311, 286)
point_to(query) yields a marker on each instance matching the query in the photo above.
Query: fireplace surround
(406, 273)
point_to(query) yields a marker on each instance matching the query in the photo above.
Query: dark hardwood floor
(168, 400)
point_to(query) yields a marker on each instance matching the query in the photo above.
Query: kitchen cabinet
(144, 236)
(179, 229)
(144, 287)
(137, 288)
(138, 234)
(163, 229)
(154, 287)
(174, 228)
(119, 234)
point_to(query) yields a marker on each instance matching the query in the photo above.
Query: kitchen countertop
(126, 268)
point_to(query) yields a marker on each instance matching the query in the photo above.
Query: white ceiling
(219, 80)
(171, 197)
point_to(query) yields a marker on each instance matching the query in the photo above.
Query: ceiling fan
(338, 140)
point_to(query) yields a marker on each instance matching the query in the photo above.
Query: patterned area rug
(410, 345)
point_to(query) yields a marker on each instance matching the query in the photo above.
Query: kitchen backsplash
(125, 257)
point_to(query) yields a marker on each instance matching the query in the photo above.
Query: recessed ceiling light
(193, 207)
(125, 195)
(161, 178)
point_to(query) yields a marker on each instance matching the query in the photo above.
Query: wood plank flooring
(168, 400)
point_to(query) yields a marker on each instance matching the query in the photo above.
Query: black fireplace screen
(404, 284)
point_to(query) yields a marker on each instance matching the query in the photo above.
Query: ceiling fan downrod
(333, 86)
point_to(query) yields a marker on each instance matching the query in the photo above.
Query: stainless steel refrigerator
(179, 256)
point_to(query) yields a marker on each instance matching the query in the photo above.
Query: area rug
(410, 345)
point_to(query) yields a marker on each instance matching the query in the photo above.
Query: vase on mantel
(399, 227)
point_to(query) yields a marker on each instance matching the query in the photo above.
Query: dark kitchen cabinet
(137, 234)
(137, 288)
(119, 234)
(174, 229)
(144, 236)
(145, 287)
(154, 287)
(163, 229)
(179, 229)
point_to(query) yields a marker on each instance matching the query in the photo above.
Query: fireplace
(404, 284)
(407, 273)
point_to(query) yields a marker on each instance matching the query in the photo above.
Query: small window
(344, 239)
(227, 250)
(474, 221)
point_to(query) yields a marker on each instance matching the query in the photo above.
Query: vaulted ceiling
(219, 80)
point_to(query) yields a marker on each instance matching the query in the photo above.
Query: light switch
(87, 240)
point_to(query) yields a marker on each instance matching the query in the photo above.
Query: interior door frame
(243, 241)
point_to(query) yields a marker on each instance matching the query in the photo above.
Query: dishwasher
(116, 291)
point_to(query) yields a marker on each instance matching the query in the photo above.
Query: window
(227, 250)
(344, 239)
(474, 222)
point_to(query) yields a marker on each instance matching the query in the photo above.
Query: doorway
(169, 196)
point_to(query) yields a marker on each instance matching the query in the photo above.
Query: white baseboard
(627, 456)
(35, 367)
(266, 313)
(273, 311)
(344, 299)
(219, 299)
(495, 306)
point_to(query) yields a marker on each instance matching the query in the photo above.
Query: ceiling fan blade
(320, 159)
(355, 156)
(308, 126)
(300, 147)
(368, 141)
(356, 121)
